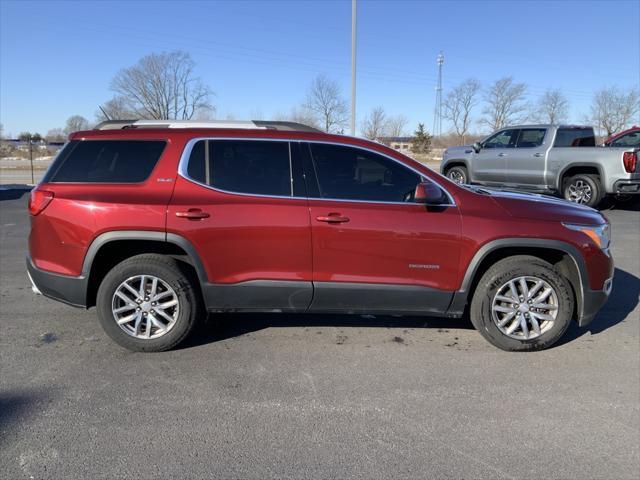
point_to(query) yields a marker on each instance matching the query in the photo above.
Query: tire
(493, 285)
(175, 283)
(458, 174)
(583, 189)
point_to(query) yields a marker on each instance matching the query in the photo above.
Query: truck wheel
(583, 189)
(458, 174)
(522, 304)
(148, 303)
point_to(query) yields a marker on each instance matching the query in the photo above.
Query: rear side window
(242, 166)
(105, 161)
(531, 137)
(575, 137)
(348, 173)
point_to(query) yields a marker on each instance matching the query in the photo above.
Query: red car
(154, 223)
(626, 138)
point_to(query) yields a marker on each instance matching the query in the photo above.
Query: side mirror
(477, 147)
(429, 193)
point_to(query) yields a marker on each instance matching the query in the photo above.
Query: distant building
(402, 144)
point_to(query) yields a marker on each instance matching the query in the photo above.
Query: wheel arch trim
(461, 296)
(453, 162)
(563, 171)
(148, 235)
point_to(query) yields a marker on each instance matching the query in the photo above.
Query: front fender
(449, 162)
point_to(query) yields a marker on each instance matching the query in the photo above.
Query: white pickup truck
(558, 159)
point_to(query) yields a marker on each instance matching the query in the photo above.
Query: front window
(348, 173)
(503, 139)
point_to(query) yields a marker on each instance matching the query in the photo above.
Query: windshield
(631, 139)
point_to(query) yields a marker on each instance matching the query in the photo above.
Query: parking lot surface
(315, 396)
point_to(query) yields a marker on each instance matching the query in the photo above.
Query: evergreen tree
(421, 140)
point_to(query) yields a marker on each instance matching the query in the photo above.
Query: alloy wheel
(525, 307)
(580, 192)
(145, 307)
(456, 176)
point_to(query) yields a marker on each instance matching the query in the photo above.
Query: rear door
(490, 164)
(374, 250)
(526, 163)
(239, 205)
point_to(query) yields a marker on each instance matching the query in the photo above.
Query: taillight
(38, 200)
(630, 160)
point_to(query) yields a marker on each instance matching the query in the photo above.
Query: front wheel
(148, 303)
(522, 303)
(458, 174)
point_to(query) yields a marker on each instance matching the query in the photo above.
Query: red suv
(156, 222)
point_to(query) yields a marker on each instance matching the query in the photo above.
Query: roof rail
(244, 124)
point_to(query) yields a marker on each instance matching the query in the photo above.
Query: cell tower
(437, 111)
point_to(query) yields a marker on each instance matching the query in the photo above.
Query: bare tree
(325, 101)
(552, 107)
(613, 109)
(375, 123)
(55, 135)
(163, 86)
(504, 103)
(396, 125)
(299, 115)
(458, 106)
(76, 123)
(115, 109)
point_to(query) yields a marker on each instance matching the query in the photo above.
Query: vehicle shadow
(630, 205)
(16, 406)
(623, 300)
(224, 326)
(13, 192)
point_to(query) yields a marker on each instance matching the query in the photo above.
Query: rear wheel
(148, 303)
(583, 189)
(522, 303)
(458, 174)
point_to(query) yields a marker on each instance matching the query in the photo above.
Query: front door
(238, 204)
(489, 165)
(374, 250)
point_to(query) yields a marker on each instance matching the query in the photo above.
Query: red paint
(245, 237)
(615, 136)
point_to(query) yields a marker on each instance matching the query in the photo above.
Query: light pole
(353, 67)
(31, 158)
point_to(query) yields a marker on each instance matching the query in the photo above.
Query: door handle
(332, 218)
(502, 154)
(537, 155)
(193, 214)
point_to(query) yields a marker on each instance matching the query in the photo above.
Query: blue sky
(58, 58)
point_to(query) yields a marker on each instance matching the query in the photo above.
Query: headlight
(600, 234)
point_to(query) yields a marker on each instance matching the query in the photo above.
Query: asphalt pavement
(315, 396)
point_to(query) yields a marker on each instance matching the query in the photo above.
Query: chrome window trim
(186, 153)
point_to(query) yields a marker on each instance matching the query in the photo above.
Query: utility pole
(33, 182)
(353, 67)
(437, 110)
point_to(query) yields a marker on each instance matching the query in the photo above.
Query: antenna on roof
(104, 113)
